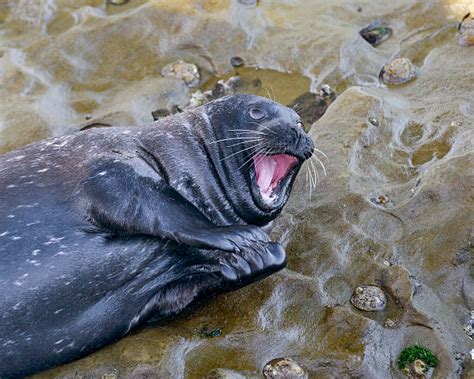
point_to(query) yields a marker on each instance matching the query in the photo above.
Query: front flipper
(130, 198)
(217, 272)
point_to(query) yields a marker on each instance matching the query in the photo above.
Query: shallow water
(66, 64)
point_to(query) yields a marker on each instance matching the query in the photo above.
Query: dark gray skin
(103, 229)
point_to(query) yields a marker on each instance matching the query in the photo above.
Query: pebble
(374, 121)
(376, 33)
(369, 298)
(284, 368)
(222, 88)
(389, 323)
(380, 200)
(187, 72)
(118, 2)
(461, 257)
(465, 35)
(327, 91)
(236, 62)
(416, 370)
(469, 327)
(398, 71)
(226, 87)
(248, 2)
(199, 98)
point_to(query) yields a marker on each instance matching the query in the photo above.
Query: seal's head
(264, 144)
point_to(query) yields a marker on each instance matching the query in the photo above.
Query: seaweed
(414, 352)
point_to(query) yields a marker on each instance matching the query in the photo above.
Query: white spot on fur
(19, 282)
(17, 158)
(53, 240)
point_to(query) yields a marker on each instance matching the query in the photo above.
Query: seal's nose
(305, 146)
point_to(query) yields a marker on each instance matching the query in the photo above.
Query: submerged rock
(311, 106)
(398, 71)
(465, 35)
(159, 113)
(369, 298)
(376, 33)
(187, 72)
(284, 368)
(205, 332)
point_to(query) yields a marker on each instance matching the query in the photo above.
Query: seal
(104, 229)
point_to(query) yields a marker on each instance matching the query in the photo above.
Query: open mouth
(270, 170)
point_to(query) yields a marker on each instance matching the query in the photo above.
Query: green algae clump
(414, 352)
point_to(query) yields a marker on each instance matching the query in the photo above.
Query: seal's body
(103, 229)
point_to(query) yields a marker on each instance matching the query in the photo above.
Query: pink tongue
(270, 169)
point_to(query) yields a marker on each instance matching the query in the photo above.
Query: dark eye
(300, 124)
(256, 113)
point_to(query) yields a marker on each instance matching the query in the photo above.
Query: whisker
(232, 139)
(324, 155)
(238, 152)
(263, 126)
(259, 150)
(320, 163)
(308, 185)
(263, 155)
(268, 93)
(315, 171)
(246, 141)
(248, 131)
(311, 179)
(273, 92)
